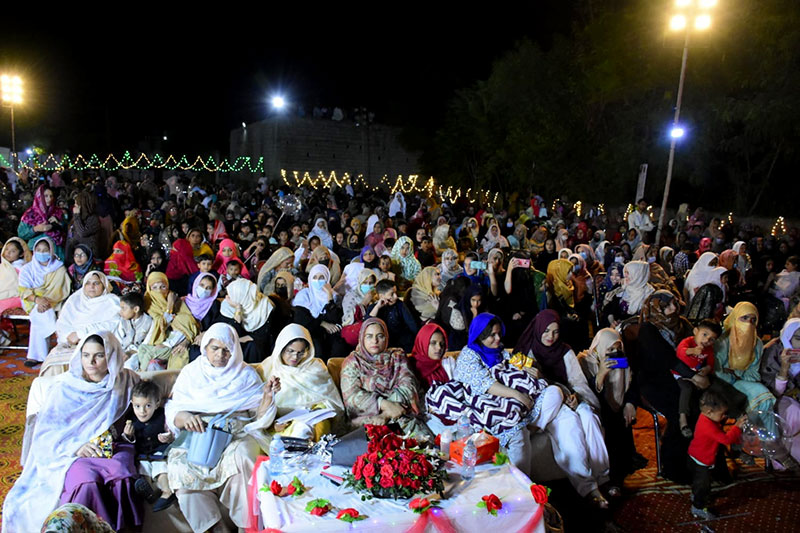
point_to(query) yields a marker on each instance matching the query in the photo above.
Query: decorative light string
(111, 163)
(779, 228)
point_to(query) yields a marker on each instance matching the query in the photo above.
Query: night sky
(111, 86)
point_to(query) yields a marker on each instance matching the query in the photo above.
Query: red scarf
(428, 369)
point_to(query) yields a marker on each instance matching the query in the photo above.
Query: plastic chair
(14, 316)
(334, 365)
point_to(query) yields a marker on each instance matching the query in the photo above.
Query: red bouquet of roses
(394, 467)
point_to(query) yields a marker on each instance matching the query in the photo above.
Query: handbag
(350, 333)
(205, 449)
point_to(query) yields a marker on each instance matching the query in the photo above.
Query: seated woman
(378, 385)
(122, 263)
(425, 293)
(93, 308)
(281, 260)
(556, 362)
(202, 301)
(403, 259)
(14, 255)
(255, 317)
(737, 358)
(780, 372)
(493, 238)
(323, 256)
(617, 400)
(593, 266)
(82, 262)
(181, 265)
(195, 238)
(70, 457)
(613, 279)
(356, 300)
(174, 327)
(305, 381)
(704, 271)
(44, 219)
(315, 309)
(626, 300)
(216, 382)
(449, 268)
(43, 286)
(228, 250)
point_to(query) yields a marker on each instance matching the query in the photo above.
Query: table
(520, 513)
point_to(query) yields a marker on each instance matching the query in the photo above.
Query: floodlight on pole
(278, 102)
(11, 95)
(697, 10)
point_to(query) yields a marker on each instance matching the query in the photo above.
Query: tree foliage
(579, 117)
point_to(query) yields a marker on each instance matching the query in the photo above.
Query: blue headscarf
(490, 357)
(374, 262)
(607, 281)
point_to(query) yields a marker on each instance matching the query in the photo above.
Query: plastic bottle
(468, 460)
(464, 427)
(276, 450)
(444, 442)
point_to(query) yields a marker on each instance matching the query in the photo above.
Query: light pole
(279, 105)
(11, 89)
(698, 10)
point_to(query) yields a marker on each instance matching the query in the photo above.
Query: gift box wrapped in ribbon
(486, 445)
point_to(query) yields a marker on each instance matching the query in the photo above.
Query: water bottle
(464, 427)
(468, 460)
(444, 442)
(276, 450)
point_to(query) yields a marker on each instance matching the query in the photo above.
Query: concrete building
(313, 145)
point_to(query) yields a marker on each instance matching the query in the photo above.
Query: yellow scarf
(156, 305)
(56, 289)
(557, 272)
(742, 336)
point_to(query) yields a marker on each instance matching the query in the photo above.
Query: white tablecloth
(288, 514)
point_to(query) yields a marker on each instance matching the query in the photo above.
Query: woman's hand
(172, 298)
(166, 438)
(629, 414)
(280, 427)
(89, 449)
(392, 409)
(327, 288)
(42, 228)
(43, 304)
(532, 371)
(524, 399)
(701, 382)
(602, 372)
(190, 422)
(183, 345)
(571, 401)
(330, 328)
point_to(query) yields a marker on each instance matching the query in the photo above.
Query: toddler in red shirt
(708, 436)
(697, 352)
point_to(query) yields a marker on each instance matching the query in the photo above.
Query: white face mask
(203, 293)
(651, 259)
(619, 259)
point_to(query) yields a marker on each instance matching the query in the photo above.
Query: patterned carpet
(13, 398)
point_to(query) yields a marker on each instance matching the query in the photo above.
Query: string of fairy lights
(53, 163)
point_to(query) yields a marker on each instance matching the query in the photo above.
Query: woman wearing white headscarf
(449, 268)
(703, 272)
(357, 299)
(442, 240)
(627, 299)
(217, 382)
(248, 310)
(43, 285)
(80, 405)
(316, 310)
(398, 205)
(493, 238)
(320, 230)
(425, 293)
(305, 381)
(93, 308)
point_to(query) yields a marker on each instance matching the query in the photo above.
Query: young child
(233, 271)
(426, 255)
(389, 308)
(708, 435)
(151, 437)
(133, 327)
(204, 264)
(697, 352)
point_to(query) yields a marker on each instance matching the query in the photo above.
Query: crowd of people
(517, 318)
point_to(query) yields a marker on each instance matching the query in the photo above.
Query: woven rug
(13, 399)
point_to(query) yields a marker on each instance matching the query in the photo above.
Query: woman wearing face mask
(658, 276)
(174, 327)
(737, 358)
(593, 266)
(281, 260)
(93, 308)
(323, 256)
(315, 309)
(626, 300)
(44, 218)
(780, 372)
(557, 363)
(43, 285)
(356, 300)
(203, 304)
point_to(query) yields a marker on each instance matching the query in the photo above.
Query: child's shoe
(164, 503)
(146, 491)
(705, 513)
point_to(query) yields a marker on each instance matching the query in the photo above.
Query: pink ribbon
(530, 526)
(435, 516)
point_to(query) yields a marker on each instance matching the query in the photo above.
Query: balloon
(290, 204)
(765, 434)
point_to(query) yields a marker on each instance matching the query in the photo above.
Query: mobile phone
(478, 265)
(619, 362)
(524, 263)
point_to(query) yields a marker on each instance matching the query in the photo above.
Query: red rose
(275, 488)
(290, 489)
(368, 481)
(319, 511)
(416, 484)
(430, 483)
(493, 503)
(372, 457)
(352, 513)
(369, 470)
(386, 471)
(416, 469)
(386, 482)
(539, 493)
(419, 504)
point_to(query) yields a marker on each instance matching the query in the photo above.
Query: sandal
(598, 500)
(686, 431)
